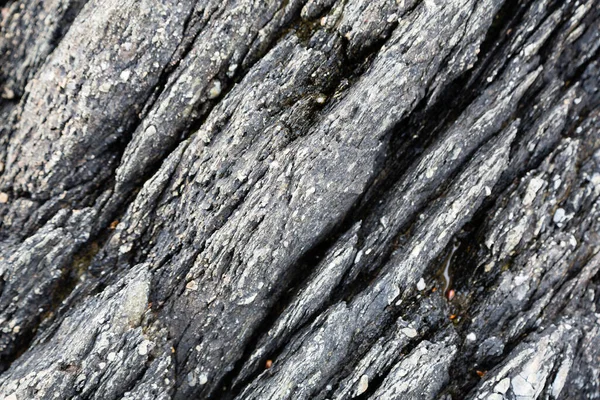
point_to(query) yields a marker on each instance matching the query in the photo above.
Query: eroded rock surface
(304, 199)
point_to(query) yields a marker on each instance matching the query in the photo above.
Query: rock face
(300, 199)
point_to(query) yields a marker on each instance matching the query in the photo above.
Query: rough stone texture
(304, 199)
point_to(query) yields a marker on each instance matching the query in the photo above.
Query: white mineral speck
(429, 172)
(191, 379)
(573, 241)
(125, 248)
(215, 90)
(8, 93)
(111, 356)
(247, 300)
(143, 348)
(559, 216)
(3, 198)
(421, 284)
(150, 131)
(105, 87)
(192, 285)
(410, 332)
(125, 75)
(363, 385)
(557, 182)
(534, 186)
(202, 379)
(471, 337)
(358, 257)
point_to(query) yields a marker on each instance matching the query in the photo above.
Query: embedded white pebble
(215, 90)
(573, 241)
(559, 216)
(410, 332)
(143, 347)
(471, 337)
(421, 284)
(191, 379)
(111, 356)
(150, 130)
(363, 385)
(231, 70)
(202, 379)
(125, 75)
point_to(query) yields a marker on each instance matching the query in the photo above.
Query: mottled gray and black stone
(299, 199)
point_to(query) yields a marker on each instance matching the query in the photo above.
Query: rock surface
(304, 199)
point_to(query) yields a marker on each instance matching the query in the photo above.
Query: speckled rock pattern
(300, 199)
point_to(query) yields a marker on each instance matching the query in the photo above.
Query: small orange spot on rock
(452, 316)
(269, 364)
(480, 373)
(113, 225)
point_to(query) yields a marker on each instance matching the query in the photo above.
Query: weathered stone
(299, 199)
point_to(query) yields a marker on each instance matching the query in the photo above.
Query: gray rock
(299, 199)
